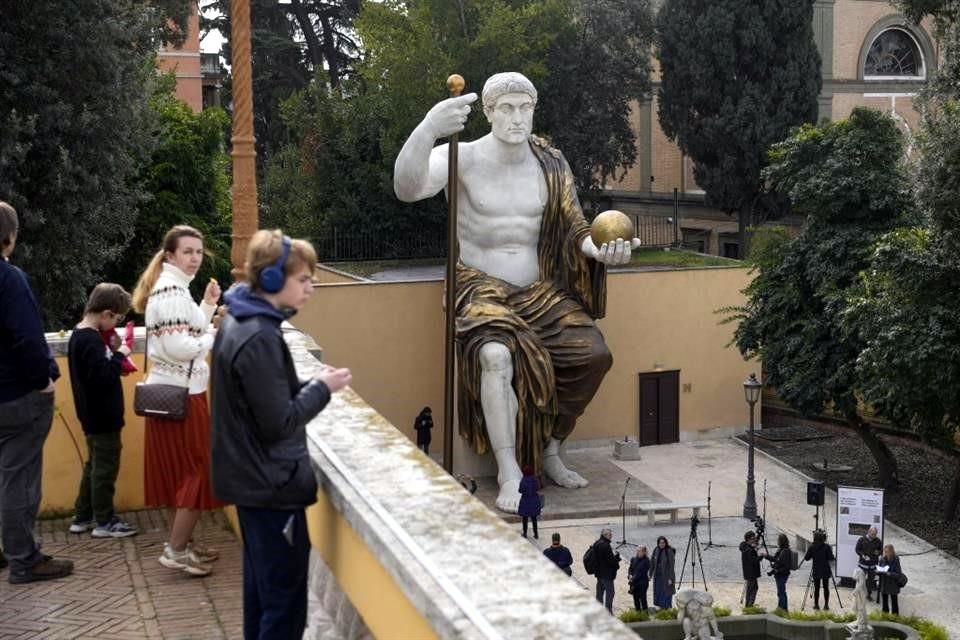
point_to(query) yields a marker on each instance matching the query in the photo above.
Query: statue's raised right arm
(420, 170)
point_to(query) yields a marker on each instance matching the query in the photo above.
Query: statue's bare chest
(505, 191)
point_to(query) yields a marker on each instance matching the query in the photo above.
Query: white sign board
(858, 509)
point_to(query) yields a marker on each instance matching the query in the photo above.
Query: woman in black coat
(423, 423)
(638, 577)
(529, 507)
(822, 555)
(890, 580)
(781, 569)
(663, 572)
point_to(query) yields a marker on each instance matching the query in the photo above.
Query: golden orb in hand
(610, 225)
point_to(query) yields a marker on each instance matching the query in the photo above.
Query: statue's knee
(495, 357)
(601, 358)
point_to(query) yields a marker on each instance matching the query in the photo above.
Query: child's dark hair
(108, 296)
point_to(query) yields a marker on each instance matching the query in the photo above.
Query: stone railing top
(460, 564)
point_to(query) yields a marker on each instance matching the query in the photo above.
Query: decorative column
(244, 192)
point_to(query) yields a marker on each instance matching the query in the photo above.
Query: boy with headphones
(259, 414)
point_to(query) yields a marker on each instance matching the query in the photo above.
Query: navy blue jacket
(25, 360)
(529, 506)
(260, 410)
(560, 556)
(639, 571)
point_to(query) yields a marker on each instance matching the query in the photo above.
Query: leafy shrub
(753, 611)
(928, 630)
(666, 614)
(721, 612)
(632, 615)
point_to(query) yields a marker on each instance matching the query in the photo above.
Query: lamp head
(751, 389)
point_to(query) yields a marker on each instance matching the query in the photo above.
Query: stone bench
(651, 509)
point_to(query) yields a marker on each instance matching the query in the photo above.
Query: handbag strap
(146, 354)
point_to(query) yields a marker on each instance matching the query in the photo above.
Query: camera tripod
(810, 578)
(694, 543)
(623, 517)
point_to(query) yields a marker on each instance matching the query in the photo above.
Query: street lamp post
(751, 391)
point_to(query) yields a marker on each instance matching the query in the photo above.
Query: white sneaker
(203, 553)
(185, 561)
(116, 528)
(81, 526)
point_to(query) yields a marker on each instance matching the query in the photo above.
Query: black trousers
(894, 605)
(751, 592)
(640, 595)
(524, 520)
(825, 582)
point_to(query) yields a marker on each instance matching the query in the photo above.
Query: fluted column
(244, 193)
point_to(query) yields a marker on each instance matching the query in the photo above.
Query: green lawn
(674, 258)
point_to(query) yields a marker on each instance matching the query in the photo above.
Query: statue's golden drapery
(559, 356)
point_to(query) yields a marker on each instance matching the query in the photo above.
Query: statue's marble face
(511, 118)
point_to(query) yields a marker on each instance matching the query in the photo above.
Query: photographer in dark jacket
(608, 563)
(868, 555)
(750, 561)
(782, 563)
(258, 436)
(822, 555)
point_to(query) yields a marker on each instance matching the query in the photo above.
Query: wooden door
(659, 407)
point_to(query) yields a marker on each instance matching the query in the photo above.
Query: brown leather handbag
(167, 401)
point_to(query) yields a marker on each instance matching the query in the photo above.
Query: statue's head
(508, 102)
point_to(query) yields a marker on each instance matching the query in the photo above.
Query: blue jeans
(24, 425)
(605, 593)
(781, 579)
(274, 573)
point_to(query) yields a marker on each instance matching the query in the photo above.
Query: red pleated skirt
(177, 460)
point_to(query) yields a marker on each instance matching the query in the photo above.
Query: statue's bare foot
(509, 498)
(559, 473)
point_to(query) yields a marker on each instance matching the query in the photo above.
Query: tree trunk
(950, 505)
(886, 463)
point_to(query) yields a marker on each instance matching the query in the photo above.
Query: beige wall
(391, 335)
(852, 20)
(185, 61)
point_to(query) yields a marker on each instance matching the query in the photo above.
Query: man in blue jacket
(259, 442)
(27, 374)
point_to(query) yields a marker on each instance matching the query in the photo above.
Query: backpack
(590, 560)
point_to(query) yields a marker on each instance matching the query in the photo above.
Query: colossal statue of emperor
(529, 284)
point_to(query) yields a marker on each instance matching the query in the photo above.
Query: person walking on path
(750, 564)
(95, 372)
(822, 555)
(781, 569)
(177, 453)
(27, 375)
(259, 439)
(423, 424)
(663, 572)
(529, 508)
(890, 580)
(607, 563)
(638, 577)
(560, 555)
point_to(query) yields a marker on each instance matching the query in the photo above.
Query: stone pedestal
(626, 450)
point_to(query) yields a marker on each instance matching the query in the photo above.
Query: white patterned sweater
(179, 331)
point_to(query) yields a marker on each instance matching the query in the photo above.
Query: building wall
(391, 337)
(185, 61)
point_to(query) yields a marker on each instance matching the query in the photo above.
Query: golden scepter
(455, 84)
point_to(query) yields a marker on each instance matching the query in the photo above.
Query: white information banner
(858, 509)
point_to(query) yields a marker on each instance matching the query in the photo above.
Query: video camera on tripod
(759, 525)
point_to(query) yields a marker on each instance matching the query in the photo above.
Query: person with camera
(750, 562)
(608, 563)
(780, 570)
(822, 555)
(868, 553)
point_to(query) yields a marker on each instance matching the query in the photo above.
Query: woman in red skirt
(177, 453)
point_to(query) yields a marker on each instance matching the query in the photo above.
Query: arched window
(894, 54)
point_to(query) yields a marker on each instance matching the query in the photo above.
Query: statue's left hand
(610, 253)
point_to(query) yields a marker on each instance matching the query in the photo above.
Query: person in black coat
(663, 572)
(782, 561)
(890, 580)
(822, 555)
(868, 554)
(529, 507)
(258, 433)
(608, 563)
(559, 555)
(638, 577)
(423, 423)
(750, 562)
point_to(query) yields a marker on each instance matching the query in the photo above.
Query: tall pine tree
(736, 77)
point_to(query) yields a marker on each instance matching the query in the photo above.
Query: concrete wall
(391, 337)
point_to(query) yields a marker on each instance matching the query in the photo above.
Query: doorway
(659, 407)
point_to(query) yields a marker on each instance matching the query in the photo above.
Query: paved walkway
(118, 589)
(681, 473)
